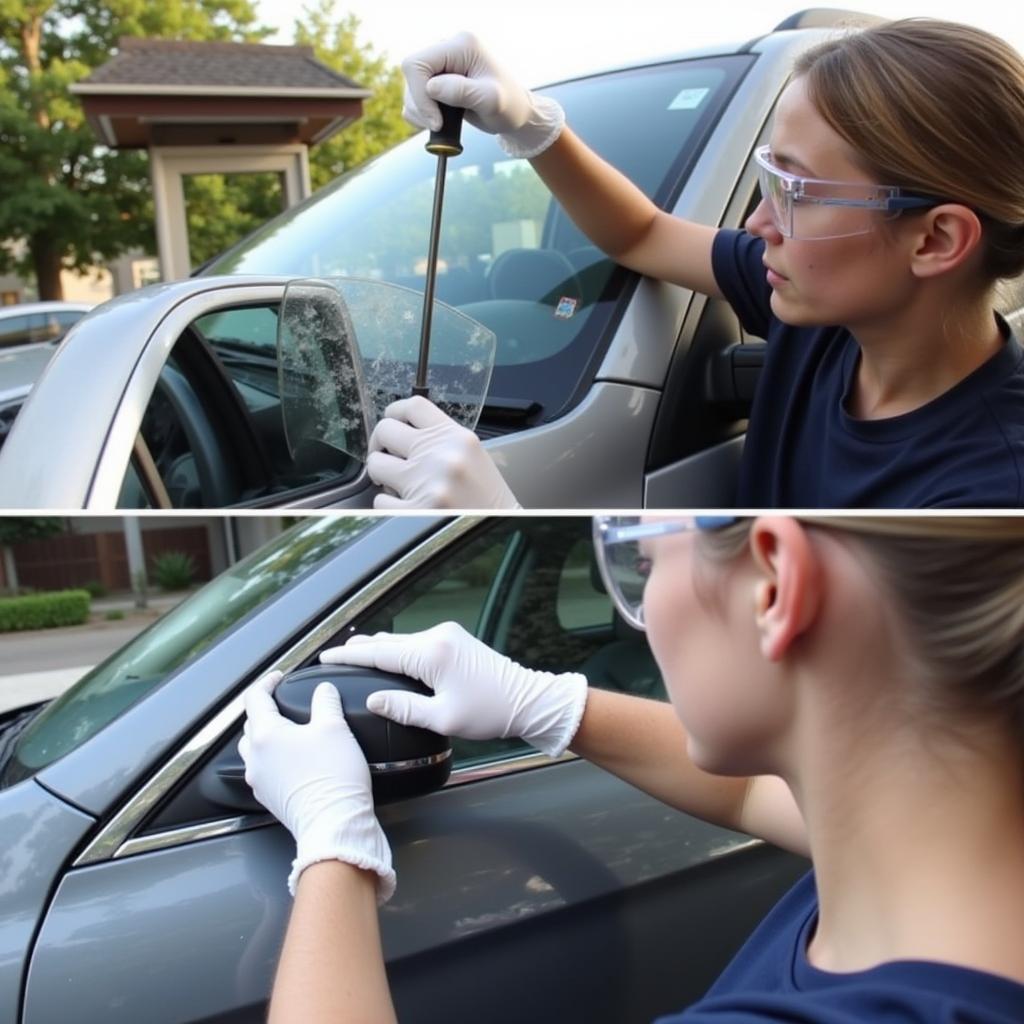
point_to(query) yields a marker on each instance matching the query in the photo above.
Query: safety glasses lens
(775, 194)
(624, 566)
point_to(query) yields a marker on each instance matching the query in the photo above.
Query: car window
(525, 587)
(62, 321)
(509, 256)
(20, 330)
(32, 328)
(213, 427)
(141, 665)
(582, 601)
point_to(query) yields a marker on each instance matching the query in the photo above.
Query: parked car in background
(609, 390)
(31, 323)
(141, 881)
(29, 334)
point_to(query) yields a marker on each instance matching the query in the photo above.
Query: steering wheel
(190, 457)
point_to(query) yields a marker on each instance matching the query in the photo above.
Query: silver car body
(613, 906)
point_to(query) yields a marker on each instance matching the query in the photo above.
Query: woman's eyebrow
(790, 163)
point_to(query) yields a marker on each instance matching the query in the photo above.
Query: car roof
(23, 308)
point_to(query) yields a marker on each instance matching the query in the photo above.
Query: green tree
(335, 42)
(70, 200)
(14, 529)
(222, 208)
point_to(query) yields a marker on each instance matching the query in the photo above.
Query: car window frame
(118, 837)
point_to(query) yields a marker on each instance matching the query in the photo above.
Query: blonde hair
(957, 586)
(938, 108)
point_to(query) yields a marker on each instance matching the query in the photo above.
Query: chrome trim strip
(193, 833)
(377, 767)
(521, 763)
(112, 839)
(228, 826)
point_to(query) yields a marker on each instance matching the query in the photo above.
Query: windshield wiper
(12, 725)
(510, 413)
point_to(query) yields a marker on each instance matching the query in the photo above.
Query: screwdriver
(443, 144)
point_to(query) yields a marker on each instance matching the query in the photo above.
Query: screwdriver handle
(447, 142)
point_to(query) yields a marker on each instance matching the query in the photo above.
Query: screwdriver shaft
(420, 387)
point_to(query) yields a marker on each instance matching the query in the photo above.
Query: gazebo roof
(173, 92)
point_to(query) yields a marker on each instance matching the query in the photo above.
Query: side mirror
(404, 761)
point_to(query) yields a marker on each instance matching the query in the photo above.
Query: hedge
(44, 611)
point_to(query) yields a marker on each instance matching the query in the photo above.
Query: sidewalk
(160, 603)
(40, 664)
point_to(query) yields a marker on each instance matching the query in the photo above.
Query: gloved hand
(432, 462)
(461, 73)
(478, 693)
(314, 779)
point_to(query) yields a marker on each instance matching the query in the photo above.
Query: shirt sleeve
(739, 273)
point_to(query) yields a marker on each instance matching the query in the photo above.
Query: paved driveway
(39, 664)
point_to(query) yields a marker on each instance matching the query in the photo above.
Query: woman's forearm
(644, 743)
(331, 969)
(603, 203)
(619, 218)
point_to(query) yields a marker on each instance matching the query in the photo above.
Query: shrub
(174, 570)
(95, 588)
(44, 611)
(114, 615)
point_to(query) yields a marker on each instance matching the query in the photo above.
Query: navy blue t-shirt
(964, 449)
(770, 980)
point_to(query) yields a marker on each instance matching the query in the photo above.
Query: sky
(545, 40)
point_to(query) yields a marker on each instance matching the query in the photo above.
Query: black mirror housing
(404, 760)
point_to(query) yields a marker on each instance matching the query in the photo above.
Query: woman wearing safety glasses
(851, 689)
(892, 205)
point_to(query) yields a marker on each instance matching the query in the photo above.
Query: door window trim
(116, 840)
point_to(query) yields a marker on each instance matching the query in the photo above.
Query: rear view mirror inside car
(348, 348)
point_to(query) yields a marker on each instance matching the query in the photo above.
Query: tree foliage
(222, 208)
(335, 42)
(72, 201)
(14, 529)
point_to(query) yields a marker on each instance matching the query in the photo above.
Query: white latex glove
(314, 779)
(461, 73)
(427, 460)
(478, 693)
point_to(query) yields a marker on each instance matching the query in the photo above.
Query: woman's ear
(948, 236)
(787, 593)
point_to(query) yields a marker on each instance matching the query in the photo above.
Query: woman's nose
(761, 224)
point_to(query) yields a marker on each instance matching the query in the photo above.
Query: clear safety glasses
(622, 547)
(808, 208)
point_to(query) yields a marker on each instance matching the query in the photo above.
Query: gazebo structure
(215, 108)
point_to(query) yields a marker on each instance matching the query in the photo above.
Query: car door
(139, 408)
(528, 888)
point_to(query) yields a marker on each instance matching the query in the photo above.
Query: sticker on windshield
(565, 308)
(689, 99)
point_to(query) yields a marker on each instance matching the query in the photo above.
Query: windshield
(138, 668)
(509, 256)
